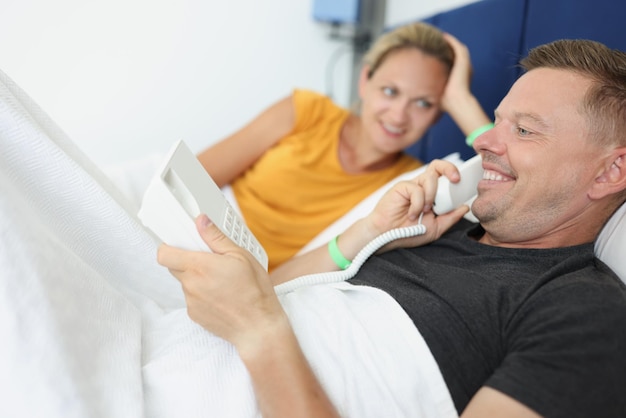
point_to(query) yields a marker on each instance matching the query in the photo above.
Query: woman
(304, 161)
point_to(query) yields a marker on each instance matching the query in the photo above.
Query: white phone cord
(361, 257)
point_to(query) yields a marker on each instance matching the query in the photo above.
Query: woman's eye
(423, 103)
(389, 91)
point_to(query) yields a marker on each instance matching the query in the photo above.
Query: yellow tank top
(298, 187)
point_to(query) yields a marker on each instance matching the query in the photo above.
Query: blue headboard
(498, 33)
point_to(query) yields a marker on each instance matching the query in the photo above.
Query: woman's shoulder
(312, 107)
(305, 98)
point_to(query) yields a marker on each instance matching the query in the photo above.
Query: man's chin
(483, 210)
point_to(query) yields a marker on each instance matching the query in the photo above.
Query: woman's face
(402, 99)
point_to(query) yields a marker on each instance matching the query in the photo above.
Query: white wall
(400, 11)
(126, 78)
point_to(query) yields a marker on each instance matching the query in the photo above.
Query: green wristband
(341, 261)
(476, 133)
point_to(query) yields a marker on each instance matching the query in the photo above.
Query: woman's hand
(458, 99)
(458, 86)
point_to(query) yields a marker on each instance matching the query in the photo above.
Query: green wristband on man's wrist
(333, 249)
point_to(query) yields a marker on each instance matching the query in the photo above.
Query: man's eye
(522, 132)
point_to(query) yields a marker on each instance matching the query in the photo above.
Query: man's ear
(613, 177)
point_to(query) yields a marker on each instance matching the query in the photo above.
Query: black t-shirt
(546, 327)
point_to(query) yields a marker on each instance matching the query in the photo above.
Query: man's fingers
(171, 257)
(177, 259)
(429, 180)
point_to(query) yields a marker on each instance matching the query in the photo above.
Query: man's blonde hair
(604, 104)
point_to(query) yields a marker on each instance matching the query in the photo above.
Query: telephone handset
(449, 197)
(452, 195)
(178, 193)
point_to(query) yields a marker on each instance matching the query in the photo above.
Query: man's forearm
(350, 242)
(284, 383)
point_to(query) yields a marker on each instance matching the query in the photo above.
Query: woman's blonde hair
(419, 35)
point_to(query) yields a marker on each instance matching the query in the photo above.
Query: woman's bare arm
(230, 157)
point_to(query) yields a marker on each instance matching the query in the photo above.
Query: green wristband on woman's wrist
(341, 261)
(476, 133)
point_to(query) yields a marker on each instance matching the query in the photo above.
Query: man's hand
(402, 205)
(227, 291)
(230, 294)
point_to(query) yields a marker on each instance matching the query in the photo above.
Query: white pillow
(611, 243)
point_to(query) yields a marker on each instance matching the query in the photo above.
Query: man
(521, 317)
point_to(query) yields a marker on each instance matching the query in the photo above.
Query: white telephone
(179, 192)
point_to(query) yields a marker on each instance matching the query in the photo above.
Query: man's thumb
(217, 241)
(446, 221)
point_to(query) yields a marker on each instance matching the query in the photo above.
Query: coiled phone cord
(342, 275)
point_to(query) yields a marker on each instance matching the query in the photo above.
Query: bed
(92, 326)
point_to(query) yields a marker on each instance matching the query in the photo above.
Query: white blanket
(92, 326)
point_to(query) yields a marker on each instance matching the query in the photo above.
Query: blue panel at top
(336, 11)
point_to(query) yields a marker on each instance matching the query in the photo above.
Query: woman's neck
(355, 150)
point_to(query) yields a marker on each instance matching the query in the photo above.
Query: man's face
(539, 162)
